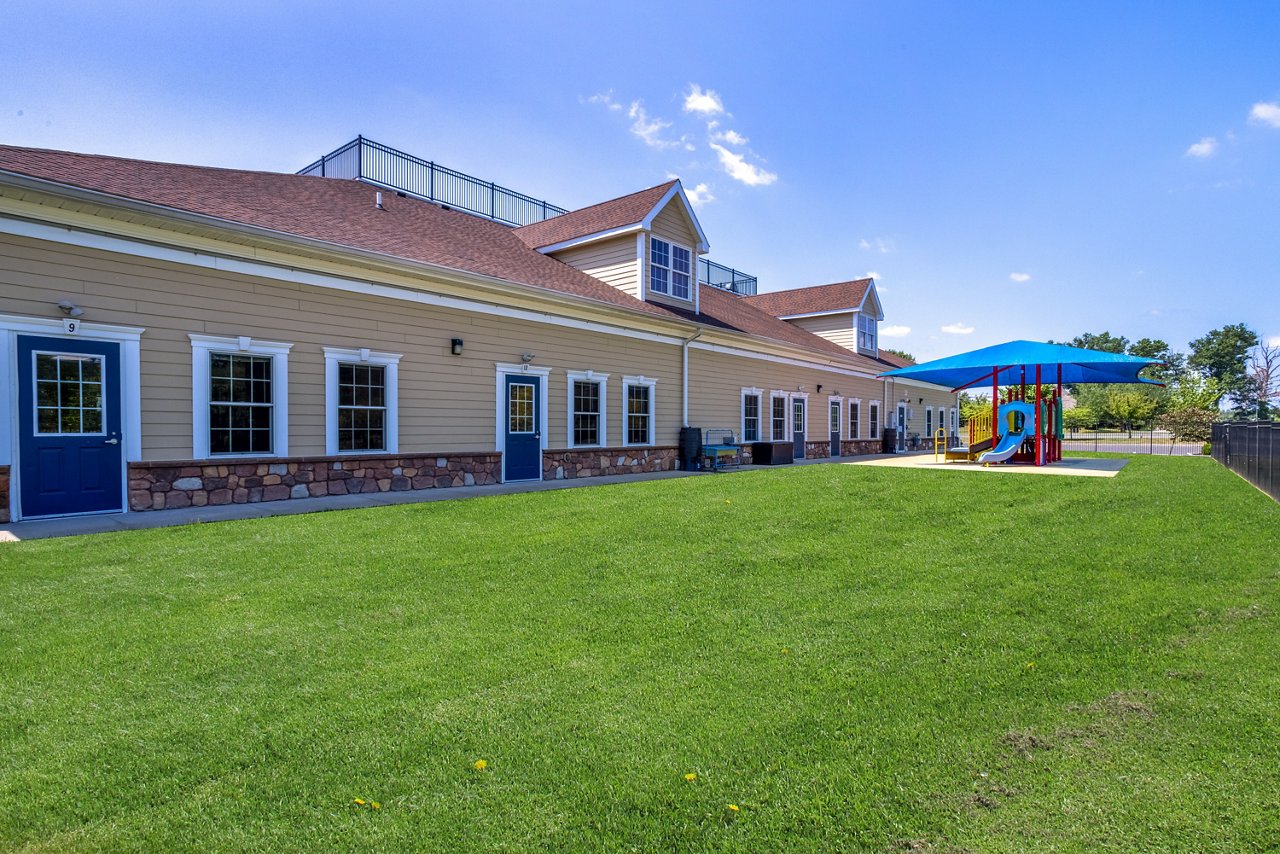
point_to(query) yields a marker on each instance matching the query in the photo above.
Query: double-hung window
(855, 419)
(867, 332)
(637, 410)
(670, 268)
(751, 414)
(587, 396)
(360, 392)
(778, 418)
(240, 399)
(873, 420)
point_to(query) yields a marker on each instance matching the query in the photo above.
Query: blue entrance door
(523, 457)
(798, 422)
(69, 450)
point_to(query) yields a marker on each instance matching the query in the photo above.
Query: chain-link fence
(1251, 449)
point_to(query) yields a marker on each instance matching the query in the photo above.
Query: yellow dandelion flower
(734, 808)
(1031, 665)
(360, 801)
(481, 765)
(786, 650)
(691, 776)
(376, 805)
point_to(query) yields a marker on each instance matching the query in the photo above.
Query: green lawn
(857, 658)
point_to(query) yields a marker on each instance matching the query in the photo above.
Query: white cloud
(871, 274)
(864, 243)
(605, 99)
(700, 195)
(740, 170)
(956, 329)
(1273, 341)
(706, 103)
(1203, 149)
(895, 331)
(881, 244)
(1020, 277)
(649, 130)
(730, 136)
(1265, 113)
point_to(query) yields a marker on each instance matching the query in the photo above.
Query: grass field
(854, 658)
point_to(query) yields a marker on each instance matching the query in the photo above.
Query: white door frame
(130, 403)
(500, 409)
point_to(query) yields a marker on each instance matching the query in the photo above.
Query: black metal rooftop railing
(378, 164)
(363, 159)
(726, 278)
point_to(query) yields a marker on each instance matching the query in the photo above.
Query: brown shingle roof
(615, 213)
(328, 209)
(343, 212)
(840, 296)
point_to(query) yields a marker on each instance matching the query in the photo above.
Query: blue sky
(1019, 170)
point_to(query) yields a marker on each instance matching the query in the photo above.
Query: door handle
(112, 442)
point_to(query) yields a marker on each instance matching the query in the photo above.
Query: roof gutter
(25, 182)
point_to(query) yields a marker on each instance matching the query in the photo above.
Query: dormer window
(867, 332)
(670, 268)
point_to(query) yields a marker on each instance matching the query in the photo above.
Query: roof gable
(817, 299)
(632, 212)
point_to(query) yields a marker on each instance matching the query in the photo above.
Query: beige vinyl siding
(933, 398)
(447, 403)
(836, 328)
(716, 381)
(613, 262)
(672, 226)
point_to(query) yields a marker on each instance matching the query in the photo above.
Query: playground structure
(1025, 423)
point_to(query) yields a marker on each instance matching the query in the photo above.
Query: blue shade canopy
(974, 369)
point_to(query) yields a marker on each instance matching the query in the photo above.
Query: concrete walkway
(1078, 466)
(75, 525)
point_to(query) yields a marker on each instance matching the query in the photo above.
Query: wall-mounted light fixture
(69, 308)
(819, 388)
(455, 346)
(921, 400)
(527, 357)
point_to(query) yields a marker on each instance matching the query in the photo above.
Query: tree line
(1229, 370)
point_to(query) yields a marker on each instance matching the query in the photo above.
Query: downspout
(684, 380)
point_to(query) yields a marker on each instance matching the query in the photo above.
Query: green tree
(901, 354)
(1195, 391)
(974, 405)
(1174, 364)
(1104, 341)
(1222, 355)
(1078, 418)
(1189, 423)
(1131, 408)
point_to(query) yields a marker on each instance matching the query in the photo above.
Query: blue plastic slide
(1012, 439)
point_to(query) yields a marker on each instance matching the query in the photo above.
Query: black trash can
(890, 436)
(690, 447)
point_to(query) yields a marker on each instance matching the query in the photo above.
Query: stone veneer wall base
(172, 485)
(571, 463)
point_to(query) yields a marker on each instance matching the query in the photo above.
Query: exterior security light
(455, 346)
(70, 309)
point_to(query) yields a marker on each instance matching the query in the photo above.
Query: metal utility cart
(720, 450)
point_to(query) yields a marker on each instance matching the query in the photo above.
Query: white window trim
(628, 382)
(128, 337)
(761, 418)
(855, 424)
(601, 380)
(874, 334)
(873, 421)
(201, 348)
(364, 356)
(774, 394)
(693, 269)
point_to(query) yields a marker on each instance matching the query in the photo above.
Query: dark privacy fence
(1251, 449)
